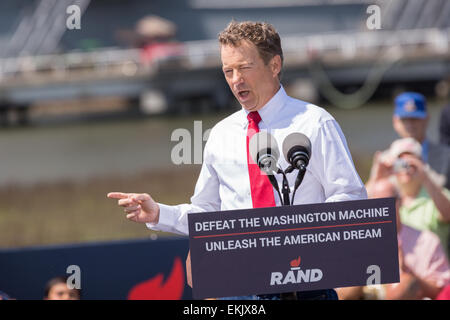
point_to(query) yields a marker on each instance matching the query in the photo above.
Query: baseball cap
(405, 145)
(410, 105)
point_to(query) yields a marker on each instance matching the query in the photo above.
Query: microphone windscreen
(296, 139)
(262, 141)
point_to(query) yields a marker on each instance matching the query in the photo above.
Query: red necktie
(260, 187)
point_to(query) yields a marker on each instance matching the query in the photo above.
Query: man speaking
(252, 61)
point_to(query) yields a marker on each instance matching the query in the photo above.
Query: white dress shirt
(224, 183)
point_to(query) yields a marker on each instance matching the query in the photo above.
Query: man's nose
(237, 77)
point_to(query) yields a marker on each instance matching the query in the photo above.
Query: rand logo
(296, 275)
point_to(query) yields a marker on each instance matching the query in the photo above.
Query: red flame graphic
(296, 262)
(155, 289)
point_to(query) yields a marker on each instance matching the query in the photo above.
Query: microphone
(263, 149)
(297, 150)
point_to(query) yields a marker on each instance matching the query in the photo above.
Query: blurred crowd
(416, 172)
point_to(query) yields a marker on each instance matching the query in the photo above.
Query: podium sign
(293, 248)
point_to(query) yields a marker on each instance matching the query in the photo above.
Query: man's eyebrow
(239, 65)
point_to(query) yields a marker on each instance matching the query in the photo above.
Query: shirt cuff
(167, 218)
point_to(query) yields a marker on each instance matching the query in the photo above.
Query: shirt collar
(270, 110)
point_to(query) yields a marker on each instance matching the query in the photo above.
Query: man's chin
(249, 107)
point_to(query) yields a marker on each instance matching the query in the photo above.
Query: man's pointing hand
(139, 207)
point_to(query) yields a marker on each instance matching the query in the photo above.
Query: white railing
(199, 54)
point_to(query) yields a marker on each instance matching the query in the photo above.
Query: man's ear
(275, 65)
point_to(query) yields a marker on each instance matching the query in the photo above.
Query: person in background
(155, 36)
(444, 126)
(444, 294)
(424, 204)
(57, 289)
(410, 120)
(424, 267)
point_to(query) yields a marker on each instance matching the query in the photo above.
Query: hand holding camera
(409, 164)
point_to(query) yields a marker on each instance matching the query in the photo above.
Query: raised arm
(140, 207)
(437, 194)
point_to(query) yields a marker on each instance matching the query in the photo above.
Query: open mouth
(243, 94)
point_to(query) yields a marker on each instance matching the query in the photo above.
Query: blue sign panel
(139, 269)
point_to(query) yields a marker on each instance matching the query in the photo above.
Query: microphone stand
(298, 181)
(285, 202)
(285, 190)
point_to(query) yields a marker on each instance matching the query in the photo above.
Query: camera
(401, 165)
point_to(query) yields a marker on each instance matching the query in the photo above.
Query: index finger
(117, 195)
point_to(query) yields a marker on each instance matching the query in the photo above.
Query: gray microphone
(263, 149)
(297, 150)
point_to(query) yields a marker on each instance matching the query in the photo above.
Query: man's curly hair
(263, 35)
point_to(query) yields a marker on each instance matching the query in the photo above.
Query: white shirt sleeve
(206, 198)
(337, 172)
